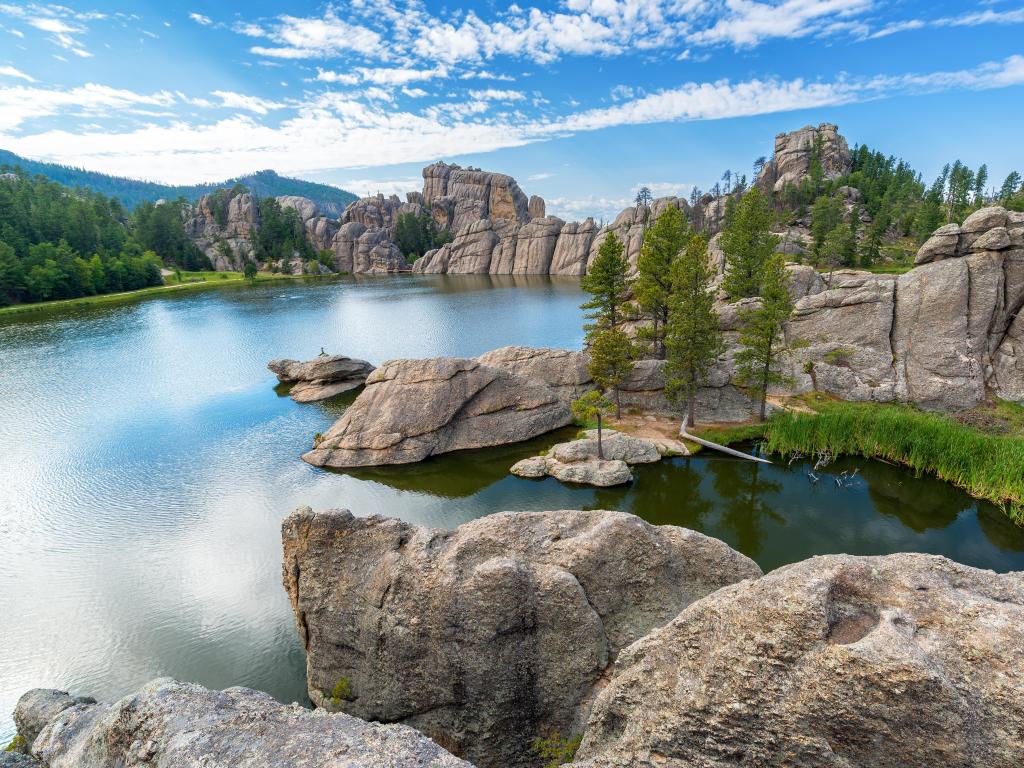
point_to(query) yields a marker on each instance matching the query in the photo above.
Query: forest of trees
(56, 243)
(415, 235)
(132, 193)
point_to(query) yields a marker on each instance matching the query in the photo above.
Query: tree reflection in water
(743, 488)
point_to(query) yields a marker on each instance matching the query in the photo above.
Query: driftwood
(715, 446)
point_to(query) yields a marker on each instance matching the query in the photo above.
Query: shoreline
(155, 290)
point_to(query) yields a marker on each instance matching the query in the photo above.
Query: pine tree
(757, 363)
(653, 285)
(593, 405)
(611, 361)
(747, 244)
(1010, 186)
(694, 340)
(606, 282)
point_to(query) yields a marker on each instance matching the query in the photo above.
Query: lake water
(146, 460)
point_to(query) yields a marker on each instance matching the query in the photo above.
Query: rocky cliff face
(942, 335)
(834, 662)
(491, 635)
(791, 162)
(168, 724)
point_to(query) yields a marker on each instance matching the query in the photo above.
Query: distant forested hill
(132, 192)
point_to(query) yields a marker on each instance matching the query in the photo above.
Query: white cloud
(233, 100)
(966, 20)
(747, 23)
(198, 18)
(497, 94)
(539, 176)
(8, 71)
(335, 130)
(483, 74)
(305, 38)
(383, 186)
(382, 75)
(414, 93)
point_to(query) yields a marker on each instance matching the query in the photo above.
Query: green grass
(888, 269)
(190, 281)
(988, 466)
(726, 435)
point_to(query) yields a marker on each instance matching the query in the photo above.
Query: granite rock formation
(168, 724)
(833, 662)
(322, 377)
(791, 162)
(489, 635)
(577, 461)
(413, 409)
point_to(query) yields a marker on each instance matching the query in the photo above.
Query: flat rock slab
(578, 462)
(833, 662)
(322, 377)
(490, 635)
(168, 724)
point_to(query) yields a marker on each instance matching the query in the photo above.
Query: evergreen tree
(980, 180)
(606, 282)
(653, 285)
(694, 340)
(611, 361)
(1010, 186)
(757, 363)
(593, 405)
(747, 244)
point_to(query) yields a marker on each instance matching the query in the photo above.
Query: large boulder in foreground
(490, 635)
(838, 661)
(413, 409)
(168, 724)
(322, 377)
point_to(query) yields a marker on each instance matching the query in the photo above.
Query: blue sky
(581, 100)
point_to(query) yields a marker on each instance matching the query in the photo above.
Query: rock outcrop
(168, 724)
(794, 151)
(578, 461)
(490, 635)
(837, 661)
(413, 409)
(322, 377)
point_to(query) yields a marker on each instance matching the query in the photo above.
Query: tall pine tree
(748, 245)
(606, 282)
(653, 285)
(694, 340)
(758, 362)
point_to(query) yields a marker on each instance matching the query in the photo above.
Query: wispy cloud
(199, 18)
(337, 130)
(8, 71)
(255, 104)
(974, 19)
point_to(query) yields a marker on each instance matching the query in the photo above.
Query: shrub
(555, 749)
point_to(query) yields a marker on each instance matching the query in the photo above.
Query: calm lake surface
(146, 460)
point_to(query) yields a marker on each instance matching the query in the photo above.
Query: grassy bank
(189, 281)
(987, 463)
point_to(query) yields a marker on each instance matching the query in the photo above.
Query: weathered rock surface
(577, 461)
(321, 377)
(489, 635)
(38, 707)
(224, 230)
(413, 409)
(168, 724)
(17, 759)
(837, 661)
(791, 162)
(572, 249)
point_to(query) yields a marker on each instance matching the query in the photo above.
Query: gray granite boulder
(321, 377)
(168, 724)
(834, 662)
(492, 634)
(413, 409)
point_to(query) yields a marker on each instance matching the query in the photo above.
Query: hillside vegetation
(133, 192)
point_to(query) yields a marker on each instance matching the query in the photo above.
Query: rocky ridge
(168, 724)
(490, 635)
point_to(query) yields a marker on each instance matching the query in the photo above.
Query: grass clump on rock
(555, 749)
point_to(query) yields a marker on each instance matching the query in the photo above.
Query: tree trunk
(618, 404)
(691, 410)
(764, 380)
(600, 448)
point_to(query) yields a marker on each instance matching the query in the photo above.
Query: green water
(147, 460)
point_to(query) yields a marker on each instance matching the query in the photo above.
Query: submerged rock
(168, 724)
(837, 661)
(490, 635)
(321, 377)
